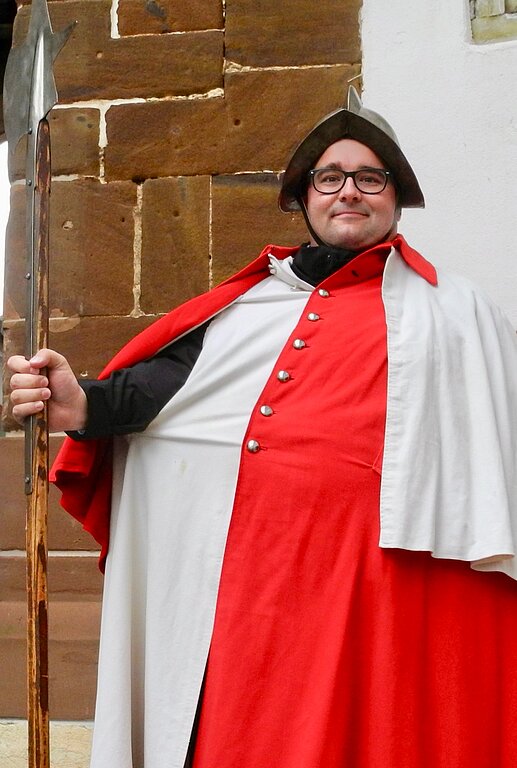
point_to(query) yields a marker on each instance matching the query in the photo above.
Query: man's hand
(67, 402)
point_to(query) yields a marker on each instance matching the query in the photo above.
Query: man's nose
(349, 190)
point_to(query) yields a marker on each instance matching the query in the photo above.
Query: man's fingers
(29, 396)
(27, 402)
(20, 412)
(28, 381)
(18, 364)
(45, 358)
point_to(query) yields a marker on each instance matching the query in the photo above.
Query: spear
(29, 94)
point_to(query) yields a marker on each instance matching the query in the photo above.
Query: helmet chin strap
(312, 231)
(320, 241)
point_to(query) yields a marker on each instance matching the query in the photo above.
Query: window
(493, 20)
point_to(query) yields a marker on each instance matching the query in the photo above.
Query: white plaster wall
(453, 104)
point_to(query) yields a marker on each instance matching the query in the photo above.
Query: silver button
(313, 316)
(283, 376)
(323, 293)
(298, 344)
(253, 446)
(266, 410)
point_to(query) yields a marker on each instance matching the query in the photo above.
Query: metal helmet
(354, 122)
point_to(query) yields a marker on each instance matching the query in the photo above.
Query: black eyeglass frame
(352, 175)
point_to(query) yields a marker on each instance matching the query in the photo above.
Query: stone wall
(175, 120)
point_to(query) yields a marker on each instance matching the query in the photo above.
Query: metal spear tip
(29, 85)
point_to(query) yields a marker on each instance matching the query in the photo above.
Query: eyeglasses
(328, 181)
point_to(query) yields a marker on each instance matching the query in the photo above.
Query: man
(258, 464)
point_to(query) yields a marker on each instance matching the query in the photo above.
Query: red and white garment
(246, 526)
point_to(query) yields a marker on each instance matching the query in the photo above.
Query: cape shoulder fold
(449, 475)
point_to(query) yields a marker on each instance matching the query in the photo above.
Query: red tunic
(327, 651)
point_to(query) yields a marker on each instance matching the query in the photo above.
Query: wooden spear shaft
(28, 96)
(37, 462)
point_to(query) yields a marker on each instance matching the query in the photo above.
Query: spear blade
(29, 86)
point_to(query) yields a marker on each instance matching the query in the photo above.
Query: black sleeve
(129, 399)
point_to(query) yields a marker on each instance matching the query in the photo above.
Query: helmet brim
(344, 124)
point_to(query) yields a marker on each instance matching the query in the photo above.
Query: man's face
(349, 218)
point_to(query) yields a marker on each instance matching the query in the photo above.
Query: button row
(253, 446)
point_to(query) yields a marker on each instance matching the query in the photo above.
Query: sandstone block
(13, 659)
(64, 533)
(269, 112)
(74, 621)
(73, 650)
(175, 241)
(70, 579)
(168, 138)
(253, 128)
(292, 33)
(245, 219)
(159, 66)
(73, 655)
(136, 17)
(75, 144)
(91, 248)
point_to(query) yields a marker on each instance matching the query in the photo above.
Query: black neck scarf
(314, 263)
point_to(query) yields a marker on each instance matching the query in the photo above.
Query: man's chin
(348, 242)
